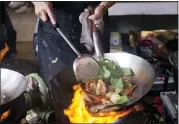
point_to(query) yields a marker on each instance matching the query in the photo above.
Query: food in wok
(112, 86)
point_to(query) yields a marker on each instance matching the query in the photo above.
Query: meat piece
(87, 98)
(113, 108)
(96, 108)
(91, 86)
(102, 108)
(96, 87)
(101, 88)
(95, 99)
(106, 102)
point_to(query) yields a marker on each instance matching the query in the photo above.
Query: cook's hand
(44, 10)
(98, 14)
(97, 17)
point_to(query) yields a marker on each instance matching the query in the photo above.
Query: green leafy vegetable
(111, 73)
(126, 72)
(111, 65)
(116, 73)
(100, 74)
(107, 73)
(117, 83)
(118, 90)
(123, 99)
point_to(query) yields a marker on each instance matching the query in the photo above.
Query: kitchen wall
(127, 16)
(125, 23)
(142, 7)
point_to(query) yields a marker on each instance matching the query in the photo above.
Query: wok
(64, 81)
(13, 84)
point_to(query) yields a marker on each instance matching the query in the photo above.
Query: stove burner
(135, 117)
(148, 115)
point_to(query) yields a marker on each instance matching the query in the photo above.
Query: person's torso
(67, 17)
(67, 14)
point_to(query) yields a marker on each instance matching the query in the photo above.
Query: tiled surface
(24, 24)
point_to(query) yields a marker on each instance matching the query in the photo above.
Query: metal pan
(13, 84)
(62, 86)
(65, 80)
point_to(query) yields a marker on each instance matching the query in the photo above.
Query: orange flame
(3, 52)
(4, 115)
(77, 113)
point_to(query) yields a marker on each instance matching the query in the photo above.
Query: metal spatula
(85, 66)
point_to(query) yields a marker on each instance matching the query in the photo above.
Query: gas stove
(154, 106)
(151, 113)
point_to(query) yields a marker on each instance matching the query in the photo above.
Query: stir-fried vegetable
(113, 83)
(111, 73)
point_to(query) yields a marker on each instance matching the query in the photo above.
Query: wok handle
(97, 44)
(96, 39)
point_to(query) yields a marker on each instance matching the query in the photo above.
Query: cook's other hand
(44, 10)
(100, 10)
(86, 37)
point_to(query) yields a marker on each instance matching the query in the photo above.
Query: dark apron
(53, 52)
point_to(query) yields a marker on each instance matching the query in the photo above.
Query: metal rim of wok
(143, 70)
(173, 58)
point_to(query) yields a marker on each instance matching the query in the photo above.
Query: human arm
(44, 10)
(100, 10)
